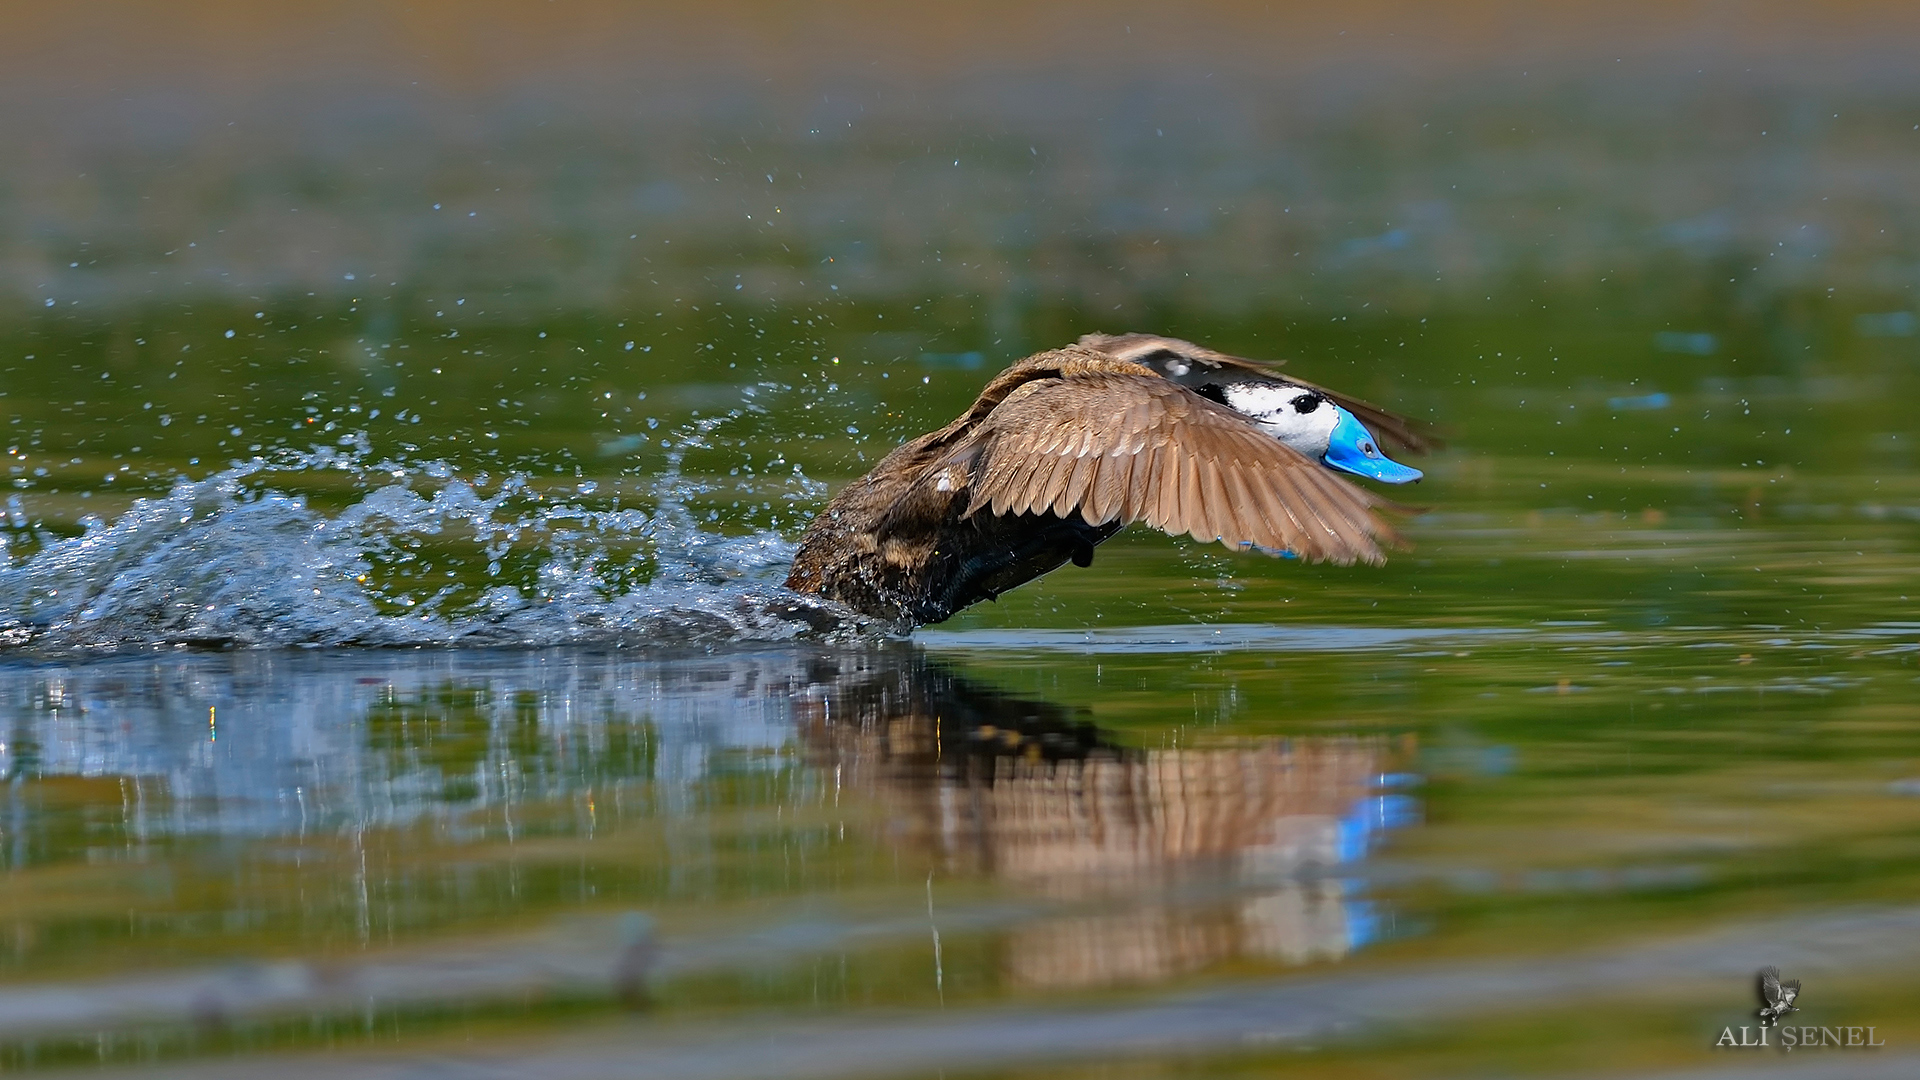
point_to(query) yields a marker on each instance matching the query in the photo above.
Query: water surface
(399, 481)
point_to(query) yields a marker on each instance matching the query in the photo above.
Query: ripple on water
(1212, 638)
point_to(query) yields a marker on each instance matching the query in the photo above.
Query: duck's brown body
(1061, 451)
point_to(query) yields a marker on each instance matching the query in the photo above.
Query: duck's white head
(1311, 423)
(1303, 419)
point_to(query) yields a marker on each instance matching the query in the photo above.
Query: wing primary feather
(1032, 477)
(1246, 515)
(1179, 493)
(1165, 492)
(1314, 504)
(1221, 518)
(1193, 501)
(1345, 509)
(1093, 495)
(1059, 466)
(1135, 425)
(1312, 543)
(1151, 465)
(1173, 478)
(1281, 495)
(1021, 483)
(1139, 485)
(1109, 488)
(1003, 484)
(1255, 528)
(1274, 532)
(1073, 493)
(1212, 501)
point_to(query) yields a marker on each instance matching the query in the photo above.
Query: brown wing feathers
(1110, 444)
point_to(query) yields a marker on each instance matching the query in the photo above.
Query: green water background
(1654, 280)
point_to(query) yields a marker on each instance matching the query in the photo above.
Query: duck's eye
(1305, 403)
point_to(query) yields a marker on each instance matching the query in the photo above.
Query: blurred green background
(1646, 675)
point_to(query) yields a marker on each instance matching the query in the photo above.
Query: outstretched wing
(1790, 991)
(1397, 431)
(1114, 446)
(1770, 986)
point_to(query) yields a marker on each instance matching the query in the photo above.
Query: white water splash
(236, 559)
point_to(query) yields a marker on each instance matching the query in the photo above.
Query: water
(236, 560)
(403, 465)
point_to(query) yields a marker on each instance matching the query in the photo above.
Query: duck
(1067, 447)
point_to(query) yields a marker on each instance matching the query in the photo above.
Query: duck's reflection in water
(1171, 859)
(1143, 861)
